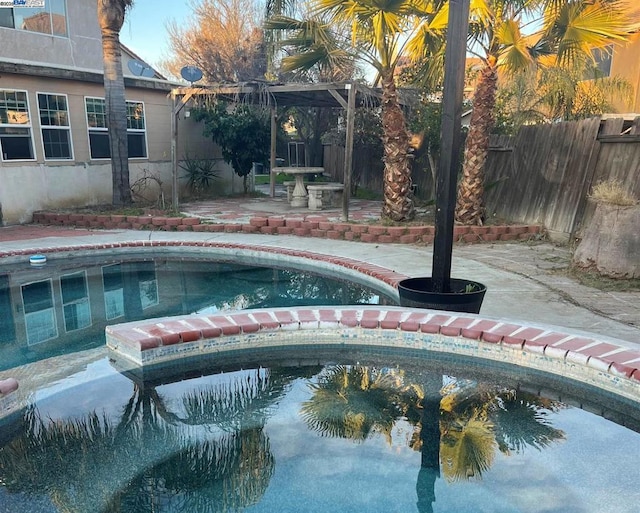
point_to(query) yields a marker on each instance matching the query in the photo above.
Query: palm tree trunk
(398, 204)
(470, 204)
(111, 18)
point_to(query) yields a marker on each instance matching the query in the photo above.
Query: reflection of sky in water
(593, 470)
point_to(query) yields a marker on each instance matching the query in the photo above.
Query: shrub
(201, 173)
(612, 192)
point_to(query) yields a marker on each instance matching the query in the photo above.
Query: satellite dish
(191, 74)
(140, 69)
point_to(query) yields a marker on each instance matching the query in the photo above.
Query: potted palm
(440, 291)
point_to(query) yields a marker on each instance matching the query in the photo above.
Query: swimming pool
(65, 305)
(266, 455)
(348, 430)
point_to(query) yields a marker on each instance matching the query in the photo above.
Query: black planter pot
(465, 296)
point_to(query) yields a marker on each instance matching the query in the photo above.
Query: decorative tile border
(589, 360)
(278, 225)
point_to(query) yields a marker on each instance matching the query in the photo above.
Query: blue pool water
(65, 305)
(364, 433)
(340, 430)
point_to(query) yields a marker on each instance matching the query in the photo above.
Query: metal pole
(451, 138)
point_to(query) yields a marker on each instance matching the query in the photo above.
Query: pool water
(64, 306)
(352, 432)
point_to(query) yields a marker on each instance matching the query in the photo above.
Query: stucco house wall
(71, 65)
(626, 64)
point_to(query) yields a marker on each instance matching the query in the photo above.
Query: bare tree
(224, 39)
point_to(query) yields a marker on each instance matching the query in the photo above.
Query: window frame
(105, 129)
(47, 9)
(136, 131)
(56, 127)
(28, 126)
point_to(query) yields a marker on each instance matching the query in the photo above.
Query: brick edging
(379, 273)
(602, 363)
(277, 225)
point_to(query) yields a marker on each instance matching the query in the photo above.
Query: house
(624, 63)
(54, 149)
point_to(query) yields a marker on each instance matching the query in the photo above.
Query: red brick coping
(590, 360)
(281, 226)
(381, 274)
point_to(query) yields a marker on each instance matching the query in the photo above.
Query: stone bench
(325, 195)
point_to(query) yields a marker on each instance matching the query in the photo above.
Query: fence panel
(543, 174)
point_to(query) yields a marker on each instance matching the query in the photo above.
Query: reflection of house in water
(66, 305)
(44, 308)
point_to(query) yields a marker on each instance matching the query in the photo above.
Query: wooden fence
(544, 174)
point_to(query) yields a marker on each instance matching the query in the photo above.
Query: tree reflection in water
(459, 424)
(212, 456)
(205, 449)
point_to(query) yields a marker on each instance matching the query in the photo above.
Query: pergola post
(348, 149)
(272, 155)
(174, 150)
(178, 101)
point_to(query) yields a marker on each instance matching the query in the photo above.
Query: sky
(145, 31)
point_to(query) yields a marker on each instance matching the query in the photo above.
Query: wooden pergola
(346, 95)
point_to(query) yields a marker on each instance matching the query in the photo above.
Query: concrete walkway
(525, 280)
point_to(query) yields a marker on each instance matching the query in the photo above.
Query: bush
(612, 192)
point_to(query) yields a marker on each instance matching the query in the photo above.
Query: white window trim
(141, 131)
(106, 130)
(50, 127)
(87, 297)
(29, 126)
(95, 129)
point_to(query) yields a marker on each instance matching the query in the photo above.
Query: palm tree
(380, 32)
(571, 30)
(111, 14)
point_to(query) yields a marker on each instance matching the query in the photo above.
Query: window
(51, 18)
(602, 58)
(75, 301)
(99, 132)
(39, 313)
(15, 126)
(136, 131)
(54, 122)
